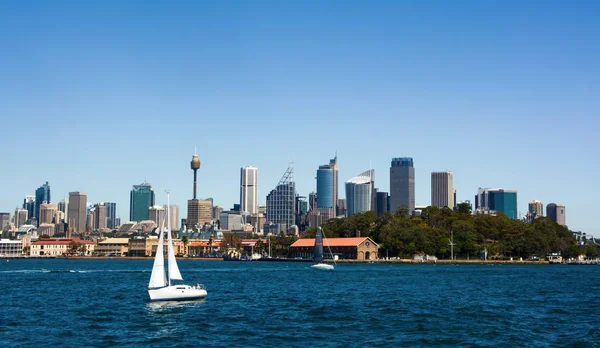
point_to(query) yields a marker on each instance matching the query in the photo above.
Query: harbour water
(105, 303)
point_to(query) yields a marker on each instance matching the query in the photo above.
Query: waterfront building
(381, 203)
(147, 246)
(358, 248)
(140, 199)
(557, 212)
(42, 195)
(157, 214)
(327, 185)
(29, 205)
(489, 200)
(280, 201)
(61, 246)
(442, 190)
(249, 189)
(4, 220)
(20, 217)
(359, 193)
(402, 184)
(112, 247)
(11, 248)
(111, 215)
(48, 213)
(77, 211)
(536, 209)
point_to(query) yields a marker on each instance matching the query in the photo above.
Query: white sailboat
(318, 252)
(160, 287)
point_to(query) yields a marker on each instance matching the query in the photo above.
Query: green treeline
(404, 236)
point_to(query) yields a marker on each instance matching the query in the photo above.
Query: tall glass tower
(327, 185)
(402, 184)
(42, 195)
(141, 199)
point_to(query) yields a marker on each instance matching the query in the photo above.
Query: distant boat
(158, 288)
(318, 252)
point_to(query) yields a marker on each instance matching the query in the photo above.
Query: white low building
(11, 248)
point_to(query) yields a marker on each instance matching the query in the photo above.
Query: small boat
(318, 252)
(160, 287)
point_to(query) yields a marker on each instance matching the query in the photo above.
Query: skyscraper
(327, 185)
(557, 212)
(47, 213)
(77, 211)
(4, 220)
(174, 215)
(157, 214)
(281, 202)
(199, 211)
(359, 193)
(141, 198)
(442, 190)
(382, 203)
(402, 184)
(64, 207)
(111, 215)
(536, 209)
(497, 200)
(29, 205)
(248, 189)
(20, 217)
(42, 195)
(100, 216)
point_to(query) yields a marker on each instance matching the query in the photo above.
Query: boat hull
(323, 266)
(177, 293)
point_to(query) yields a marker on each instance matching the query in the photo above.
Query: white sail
(174, 273)
(158, 278)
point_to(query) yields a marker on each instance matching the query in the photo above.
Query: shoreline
(380, 261)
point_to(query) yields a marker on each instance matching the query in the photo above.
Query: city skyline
(413, 79)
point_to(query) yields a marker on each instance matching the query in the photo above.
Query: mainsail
(318, 249)
(174, 273)
(158, 278)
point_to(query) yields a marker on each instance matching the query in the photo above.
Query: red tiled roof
(332, 242)
(204, 244)
(61, 241)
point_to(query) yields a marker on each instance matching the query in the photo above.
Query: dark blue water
(105, 303)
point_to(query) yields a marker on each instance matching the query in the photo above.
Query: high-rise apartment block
(20, 217)
(157, 214)
(140, 199)
(249, 189)
(557, 212)
(111, 215)
(442, 190)
(359, 193)
(48, 213)
(77, 211)
(99, 217)
(402, 184)
(4, 220)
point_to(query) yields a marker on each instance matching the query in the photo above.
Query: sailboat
(318, 252)
(160, 287)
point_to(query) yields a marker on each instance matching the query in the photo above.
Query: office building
(140, 199)
(557, 212)
(111, 215)
(402, 184)
(442, 190)
(100, 219)
(249, 190)
(327, 185)
(29, 205)
(217, 210)
(63, 206)
(536, 209)
(281, 202)
(312, 200)
(48, 213)
(381, 203)
(77, 211)
(42, 195)
(174, 215)
(231, 221)
(4, 220)
(199, 213)
(489, 200)
(20, 218)
(341, 207)
(359, 193)
(157, 214)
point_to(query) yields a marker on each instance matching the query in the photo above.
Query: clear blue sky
(99, 95)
